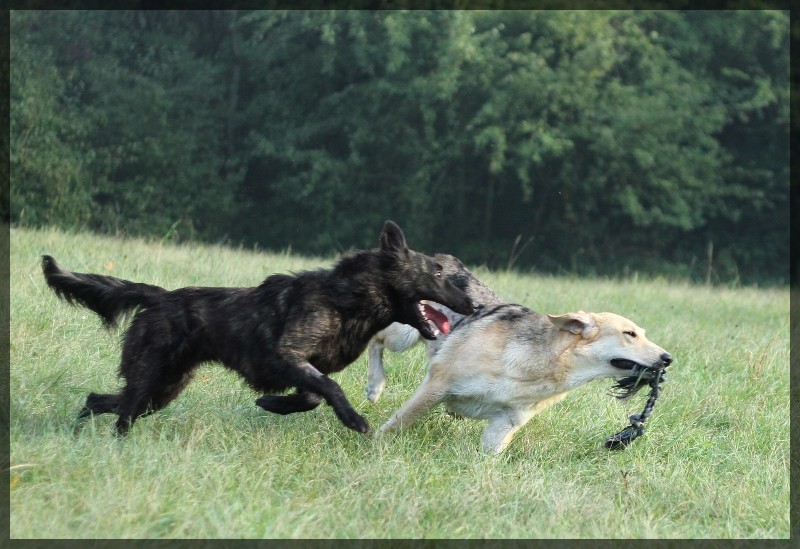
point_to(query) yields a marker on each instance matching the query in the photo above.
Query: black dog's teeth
(431, 324)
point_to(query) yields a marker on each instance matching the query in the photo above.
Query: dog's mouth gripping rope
(626, 387)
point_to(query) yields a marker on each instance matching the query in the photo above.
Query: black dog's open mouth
(640, 376)
(431, 321)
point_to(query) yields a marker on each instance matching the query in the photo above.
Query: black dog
(288, 332)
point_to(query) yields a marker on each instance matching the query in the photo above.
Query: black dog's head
(455, 271)
(414, 277)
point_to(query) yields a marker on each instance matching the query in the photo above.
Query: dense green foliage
(580, 141)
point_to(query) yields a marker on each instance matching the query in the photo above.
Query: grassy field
(713, 464)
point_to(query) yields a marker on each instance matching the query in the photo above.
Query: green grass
(713, 464)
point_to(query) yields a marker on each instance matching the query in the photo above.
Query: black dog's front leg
(311, 380)
(301, 401)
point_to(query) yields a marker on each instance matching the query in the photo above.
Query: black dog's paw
(277, 404)
(267, 402)
(353, 420)
(289, 404)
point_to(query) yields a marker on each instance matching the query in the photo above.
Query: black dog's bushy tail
(107, 296)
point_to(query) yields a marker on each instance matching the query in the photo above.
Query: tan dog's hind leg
(376, 375)
(428, 394)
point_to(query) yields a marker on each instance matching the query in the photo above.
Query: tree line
(588, 142)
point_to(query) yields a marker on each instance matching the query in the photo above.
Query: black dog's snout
(666, 358)
(470, 306)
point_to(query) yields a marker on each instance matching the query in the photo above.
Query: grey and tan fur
(399, 337)
(507, 363)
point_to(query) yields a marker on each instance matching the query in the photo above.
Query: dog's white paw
(374, 390)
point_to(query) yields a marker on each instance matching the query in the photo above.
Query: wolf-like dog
(507, 363)
(400, 337)
(289, 332)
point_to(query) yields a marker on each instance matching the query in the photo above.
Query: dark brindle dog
(289, 332)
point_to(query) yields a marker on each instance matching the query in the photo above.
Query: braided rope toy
(625, 388)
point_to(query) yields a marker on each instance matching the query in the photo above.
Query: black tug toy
(624, 389)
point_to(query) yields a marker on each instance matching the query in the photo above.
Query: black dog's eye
(438, 274)
(632, 334)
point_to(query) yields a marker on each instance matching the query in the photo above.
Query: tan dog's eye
(629, 333)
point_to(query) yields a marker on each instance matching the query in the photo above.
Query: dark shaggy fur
(289, 332)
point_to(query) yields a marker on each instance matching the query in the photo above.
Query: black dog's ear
(392, 238)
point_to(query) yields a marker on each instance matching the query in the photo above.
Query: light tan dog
(507, 363)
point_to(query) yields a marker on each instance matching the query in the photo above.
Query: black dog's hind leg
(144, 399)
(96, 404)
(310, 380)
(301, 401)
(112, 404)
(135, 403)
(99, 404)
(154, 375)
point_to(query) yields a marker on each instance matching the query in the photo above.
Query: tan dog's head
(609, 346)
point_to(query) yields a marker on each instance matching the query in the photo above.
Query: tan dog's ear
(579, 323)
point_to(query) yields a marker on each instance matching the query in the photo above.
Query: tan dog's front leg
(428, 394)
(397, 338)
(501, 429)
